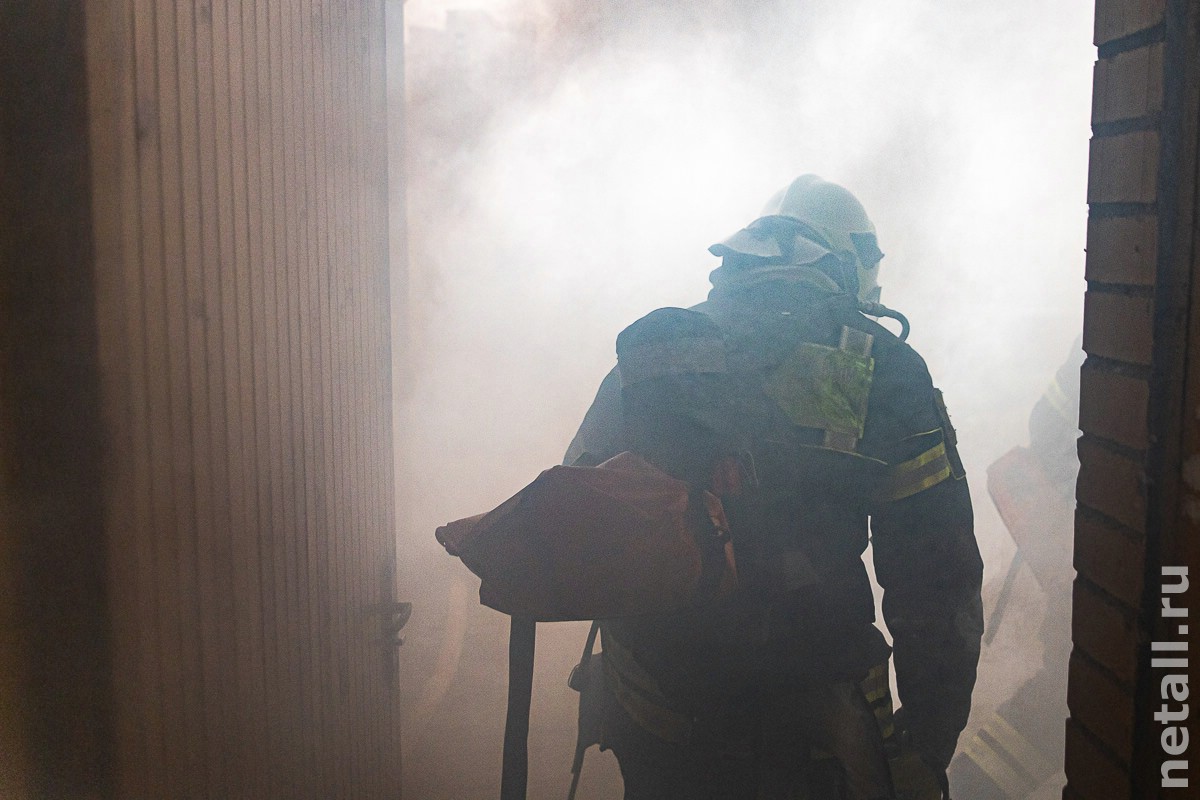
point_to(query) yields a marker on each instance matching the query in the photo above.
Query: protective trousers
(816, 743)
(835, 724)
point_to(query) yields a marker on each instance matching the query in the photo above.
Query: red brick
(1091, 773)
(1128, 85)
(1114, 406)
(1110, 558)
(1122, 250)
(1124, 169)
(1105, 631)
(1117, 18)
(1102, 706)
(1112, 484)
(1118, 326)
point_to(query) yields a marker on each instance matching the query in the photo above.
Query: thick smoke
(568, 169)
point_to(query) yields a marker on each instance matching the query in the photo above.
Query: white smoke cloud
(586, 192)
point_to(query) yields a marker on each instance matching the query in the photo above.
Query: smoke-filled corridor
(568, 169)
(287, 287)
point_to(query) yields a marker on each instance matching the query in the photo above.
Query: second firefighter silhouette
(808, 419)
(1018, 750)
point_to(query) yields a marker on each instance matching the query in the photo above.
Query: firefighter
(811, 420)
(1018, 750)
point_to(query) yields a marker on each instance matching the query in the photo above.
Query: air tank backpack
(646, 531)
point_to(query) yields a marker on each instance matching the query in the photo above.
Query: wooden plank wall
(241, 224)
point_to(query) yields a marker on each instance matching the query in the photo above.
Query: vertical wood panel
(196, 305)
(250, 733)
(291, 496)
(144, 397)
(331, 218)
(335, 531)
(305, 268)
(217, 542)
(115, 228)
(285, 250)
(274, 330)
(247, 382)
(257, 351)
(353, 90)
(346, 532)
(185, 462)
(295, 249)
(315, 464)
(386, 34)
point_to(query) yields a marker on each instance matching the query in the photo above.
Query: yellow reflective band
(664, 723)
(1022, 752)
(935, 452)
(877, 690)
(629, 669)
(639, 695)
(923, 433)
(1007, 779)
(918, 474)
(876, 685)
(1058, 400)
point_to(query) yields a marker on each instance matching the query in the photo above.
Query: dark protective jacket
(883, 450)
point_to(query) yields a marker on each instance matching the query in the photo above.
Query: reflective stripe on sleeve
(1058, 400)
(1019, 749)
(917, 474)
(664, 359)
(1012, 763)
(1008, 780)
(639, 694)
(666, 724)
(876, 687)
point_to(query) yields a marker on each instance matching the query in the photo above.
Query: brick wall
(1141, 222)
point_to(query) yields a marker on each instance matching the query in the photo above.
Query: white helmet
(833, 221)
